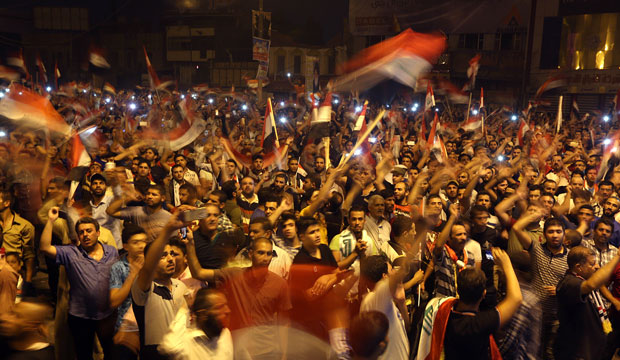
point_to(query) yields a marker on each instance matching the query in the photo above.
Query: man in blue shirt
(88, 270)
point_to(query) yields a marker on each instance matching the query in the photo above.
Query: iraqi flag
(402, 58)
(523, 129)
(42, 71)
(107, 87)
(361, 119)
(473, 123)
(270, 134)
(433, 133)
(56, 75)
(153, 79)
(96, 58)
(553, 82)
(472, 72)
(429, 101)
(319, 125)
(190, 128)
(27, 108)
(456, 95)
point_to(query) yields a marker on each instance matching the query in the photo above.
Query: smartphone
(489, 255)
(183, 232)
(196, 214)
(410, 143)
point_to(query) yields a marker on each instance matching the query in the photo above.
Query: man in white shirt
(377, 228)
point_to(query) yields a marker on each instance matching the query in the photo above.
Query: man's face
(452, 191)
(516, 152)
(261, 254)
(177, 173)
(389, 204)
(463, 178)
(493, 145)
(247, 187)
(215, 200)
(502, 186)
(95, 168)
(407, 162)
(134, 166)
(166, 265)
(270, 208)
(214, 319)
(480, 219)
(311, 238)
(397, 177)
(153, 198)
(413, 175)
(144, 170)
(591, 175)
(554, 236)
(98, 187)
(533, 195)
(547, 202)
(52, 189)
(180, 261)
(577, 182)
(289, 230)
(585, 215)
(210, 222)
(279, 183)
(180, 160)
(135, 245)
(293, 165)
(231, 167)
(458, 237)
(149, 155)
(376, 208)
(356, 221)
(557, 163)
(434, 206)
(484, 200)
(588, 268)
(580, 166)
(257, 164)
(88, 235)
(308, 184)
(550, 186)
(319, 164)
(602, 233)
(605, 191)
(400, 191)
(611, 206)
(184, 197)
(257, 231)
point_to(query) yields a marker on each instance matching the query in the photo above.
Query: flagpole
(273, 122)
(468, 108)
(362, 138)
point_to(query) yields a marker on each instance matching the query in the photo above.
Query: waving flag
(473, 123)
(456, 95)
(8, 74)
(96, 57)
(365, 148)
(319, 125)
(553, 82)
(42, 71)
(107, 87)
(56, 75)
(472, 72)
(270, 133)
(16, 59)
(28, 108)
(429, 101)
(431, 136)
(401, 58)
(153, 79)
(523, 129)
(361, 118)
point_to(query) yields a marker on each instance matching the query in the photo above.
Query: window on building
(297, 64)
(471, 41)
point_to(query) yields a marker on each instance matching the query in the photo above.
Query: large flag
(153, 79)
(361, 118)
(27, 108)
(42, 71)
(553, 82)
(319, 125)
(472, 72)
(401, 58)
(192, 126)
(96, 57)
(79, 156)
(107, 87)
(473, 123)
(456, 95)
(270, 133)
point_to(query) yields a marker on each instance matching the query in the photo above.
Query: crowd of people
(495, 243)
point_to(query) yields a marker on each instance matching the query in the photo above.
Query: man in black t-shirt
(583, 321)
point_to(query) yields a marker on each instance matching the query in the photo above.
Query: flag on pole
(270, 134)
(472, 72)
(79, 155)
(107, 87)
(42, 71)
(28, 108)
(431, 135)
(401, 58)
(153, 79)
(365, 148)
(482, 109)
(361, 118)
(473, 123)
(429, 102)
(574, 110)
(96, 57)
(319, 125)
(553, 82)
(559, 115)
(456, 95)
(523, 129)
(616, 108)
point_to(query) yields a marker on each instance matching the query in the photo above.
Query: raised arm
(46, 236)
(509, 306)
(198, 272)
(445, 233)
(525, 220)
(601, 276)
(117, 296)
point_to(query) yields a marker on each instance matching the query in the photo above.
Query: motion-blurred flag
(16, 59)
(8, 73)
(472, 72)
(361, 118)
(27, 108)
(319, 125)
(97, 59)
(574, 110)
(153, 79)
(429, 101)
(553, 82)
(270, 134)
(107, 87)
(401, 58)
(523, 129)
(42, 71)
(456, 95)
(56, 75)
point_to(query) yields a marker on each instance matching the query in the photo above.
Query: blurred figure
(369, 335)
(24, 331)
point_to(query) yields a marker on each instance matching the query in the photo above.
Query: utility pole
(259, 90)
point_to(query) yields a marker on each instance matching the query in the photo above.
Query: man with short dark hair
(17, 234)
(218, 198)
(231, 208)
(369, 335)
(99, 203)
(247, 200)
(88, 270)
(175, 184)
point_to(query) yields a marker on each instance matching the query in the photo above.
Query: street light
(513, 118)
(288, 75)
(48, 89)
(606, 118)
(475, 112)
(132, 106)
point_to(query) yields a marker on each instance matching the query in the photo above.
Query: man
(451, 193)
(151, 217)
(450, 255)
(484, 199)
(247, 201)
(218, 198)
(549, 265)
(212, 252)
(156, 170)
(189, 195)
(401, 193)
(353, 243)
(231, 208)
(188, 175)
(377, 228)
(591, 184)
(600, 242)
(99, 203)
(288, 239)
(611, 208)
(369, 335)
(17, 235)
(557, 172)
(258, 298)
(25, 331)
(156, 295)
(144, 172)
(583, 320)
(175, 184)
(466, 331)
(280, 262)
(319, 167)
(88, 270)
(295, 174)
(605, 190)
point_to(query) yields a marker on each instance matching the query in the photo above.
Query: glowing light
(182, 96)
(20, 93)
(244, 107)
(500, 158)
(614, 149)
(210, 100)
(316, 103)
(107, 100)
(283, 119)
(48, 89)
(132, 106)
(288, 74)
(336, 101)
(2, 133)
(372, 139)
(606, 141)
(436, 109)
(414, 109)
(149, 96)
(84, 91)
(606, 118)
(513, 118)
(95, 94)
(133, 97)
(358, 109)
(416, 104)
(387, 106)
(357, 152)
(281, 103)
(600, 59)
(7, 90)
(1, 95)
(475, 112)
(111, 108)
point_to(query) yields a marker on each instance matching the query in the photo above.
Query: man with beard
(401, 193)
(156, 295)
(353, 243)
(377, 228)
(605, 190)
(548, 268)
(247, 200)
(88, 271)
(151, 217)
(319, 167)
(99, 204)
(175, 184)
(611, 207)
(207, 336)
(25, 333)
(258, 298)
(450, 195)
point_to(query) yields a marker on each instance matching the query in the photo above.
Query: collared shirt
(89, 280)
(280, 262)
(19, 238)
(152, 223)
(247, 208)
(109, 222)
(118, 274)
(548, 269)
(183, 342)
(522, 334)
(602, 256)
(446, 270)
(290, 250)
(379, 232)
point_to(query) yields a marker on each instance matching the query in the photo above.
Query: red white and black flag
(42, 71)
(269, 139)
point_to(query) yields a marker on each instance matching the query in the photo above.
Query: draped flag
(270, 133)
(192, 126)
(361, 118)
(28, 108)
(402, 58)
(472, 72)
(553, 82)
